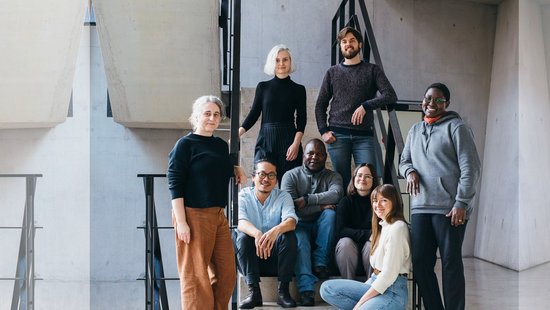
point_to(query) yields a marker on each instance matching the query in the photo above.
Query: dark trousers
(280, 263)
(428, 233)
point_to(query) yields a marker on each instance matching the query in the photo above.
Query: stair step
(268, 285)
(318, 306)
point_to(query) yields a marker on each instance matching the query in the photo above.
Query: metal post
(149, 246)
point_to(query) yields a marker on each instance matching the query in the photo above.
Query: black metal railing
(156, 297)
(24, 280)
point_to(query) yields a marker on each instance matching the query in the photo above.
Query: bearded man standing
(350, 88)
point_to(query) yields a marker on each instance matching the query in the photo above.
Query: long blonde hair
(387, 191)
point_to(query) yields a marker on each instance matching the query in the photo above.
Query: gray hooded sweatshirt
(445, 158)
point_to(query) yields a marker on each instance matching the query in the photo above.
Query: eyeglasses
(270, 176)
(436, 100)
(208, 114)
(363, 176)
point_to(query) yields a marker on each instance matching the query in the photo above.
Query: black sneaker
(321, 272)
(308, 299)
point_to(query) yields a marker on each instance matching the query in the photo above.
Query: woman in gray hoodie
(442, 168)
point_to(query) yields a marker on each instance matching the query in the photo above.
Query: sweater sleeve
(332, 195)
(255, 110)
(405, 163)
(178, 161)
(387, 93)
(323, 99)
(301, 116)
(469, 164)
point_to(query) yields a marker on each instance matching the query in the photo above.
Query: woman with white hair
(282, 104)
(199, 170)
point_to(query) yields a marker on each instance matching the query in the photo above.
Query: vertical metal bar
(334, 44)
(234, 146)
(29, 208)
(370, 33)
(149, 264)
(235, 107)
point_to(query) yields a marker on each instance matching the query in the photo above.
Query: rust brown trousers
(206, 265)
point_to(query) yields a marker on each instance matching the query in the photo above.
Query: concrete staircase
(268, 285)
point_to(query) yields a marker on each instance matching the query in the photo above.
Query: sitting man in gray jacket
(315, 191)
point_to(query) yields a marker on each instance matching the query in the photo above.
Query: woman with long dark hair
(390, 258)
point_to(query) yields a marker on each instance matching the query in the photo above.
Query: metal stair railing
(24, 280)
(156, 297)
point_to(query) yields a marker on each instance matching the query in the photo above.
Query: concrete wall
(497, 237)
(39, 48)
(534, 124)
(62, 201)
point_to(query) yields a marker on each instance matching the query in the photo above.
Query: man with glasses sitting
(265, 242)
(316, 190)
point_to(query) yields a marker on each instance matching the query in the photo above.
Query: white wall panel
(159, 57)
(37, 60)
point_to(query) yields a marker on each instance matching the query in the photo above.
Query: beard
(350, 54)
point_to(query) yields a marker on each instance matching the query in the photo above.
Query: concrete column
(498, 230)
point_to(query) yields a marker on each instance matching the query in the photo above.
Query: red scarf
(431, 120)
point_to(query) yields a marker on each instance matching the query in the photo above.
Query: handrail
(24, 280)
(155, 287)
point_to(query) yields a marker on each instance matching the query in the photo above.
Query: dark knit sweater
(350, 86)
(353, 218)
(199, 169)
(278, 100)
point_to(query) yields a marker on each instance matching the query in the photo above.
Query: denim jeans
(344, 294)
(362, 148)
(321, 232)
(428, 233)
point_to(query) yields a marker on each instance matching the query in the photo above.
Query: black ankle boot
(283, 299)
(254, 298)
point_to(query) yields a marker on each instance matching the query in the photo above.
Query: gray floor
(489, 286)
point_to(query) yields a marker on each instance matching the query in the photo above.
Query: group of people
(298, 228)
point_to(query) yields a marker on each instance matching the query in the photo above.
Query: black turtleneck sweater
(277, 100)
(199, 170)
(353, 218)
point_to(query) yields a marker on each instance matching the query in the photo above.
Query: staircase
(268, 285)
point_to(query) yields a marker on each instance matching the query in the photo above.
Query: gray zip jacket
(445, 158)
(322, 187)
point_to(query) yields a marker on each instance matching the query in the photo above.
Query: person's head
(264, 176)
(207, 113)
(315, 155)
(436, 100)
(279, 61)
(386, 205)
(364, 179)
(350, 41)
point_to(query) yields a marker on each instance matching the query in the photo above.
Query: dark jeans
(428, 233)
(280, 263)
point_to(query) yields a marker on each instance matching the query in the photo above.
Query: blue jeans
(430, 232)
(362, 148)
(344, 294)
(320, 231)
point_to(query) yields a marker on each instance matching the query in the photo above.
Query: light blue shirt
(277, 207)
